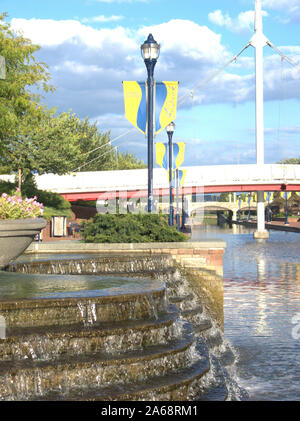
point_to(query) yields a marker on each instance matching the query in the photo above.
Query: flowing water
(262, 308)
(18, 286)
(109, 327)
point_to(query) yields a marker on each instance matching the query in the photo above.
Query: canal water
(262, 308)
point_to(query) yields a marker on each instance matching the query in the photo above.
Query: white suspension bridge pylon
(259, 41)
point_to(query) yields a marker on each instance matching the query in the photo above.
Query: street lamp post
(170, 131)
(286, 222)
(150, 53)
(249, 204)
(177, 200)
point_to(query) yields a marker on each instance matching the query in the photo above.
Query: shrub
(7, 187)
(49, 199)
(128, 228)
(29, 189)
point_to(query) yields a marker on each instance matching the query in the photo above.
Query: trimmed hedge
(129, 228)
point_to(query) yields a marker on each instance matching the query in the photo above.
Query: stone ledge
(75, 247)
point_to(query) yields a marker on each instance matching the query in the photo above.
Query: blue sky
(91, 46)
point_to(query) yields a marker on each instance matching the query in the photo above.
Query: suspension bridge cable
(100, 156)
(283, 56)
(213, 75)
(106, 144)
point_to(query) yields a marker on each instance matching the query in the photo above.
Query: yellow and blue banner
(165, 104)
(136, 104)
(252, 198)
(284, 194)
(240, 202)
(181, 175)
(269, 197)
(178, 154)
(162, 157)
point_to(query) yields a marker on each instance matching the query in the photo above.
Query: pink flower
(4, 195)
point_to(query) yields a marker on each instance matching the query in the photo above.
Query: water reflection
(26, 286)
(261, 300)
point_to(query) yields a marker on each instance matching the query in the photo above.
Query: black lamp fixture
(150, 52)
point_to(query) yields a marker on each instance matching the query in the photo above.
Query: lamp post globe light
(170, 131)
(150, 52)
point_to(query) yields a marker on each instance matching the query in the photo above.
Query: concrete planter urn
(16, 235)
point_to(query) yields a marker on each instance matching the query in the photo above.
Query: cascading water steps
(27, 342)
(82, 371)
(139, 343)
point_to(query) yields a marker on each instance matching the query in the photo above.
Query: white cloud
(187, 39)
(102, 19)
(218, 18)
(291, 8)
(243, 23)
(48, 32)
(281, 4)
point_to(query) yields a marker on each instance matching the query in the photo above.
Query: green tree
(292, 161)
(44, 144)
(128, 161)
(23, 72)
(19, 102)
(224, 197)
(98, 153)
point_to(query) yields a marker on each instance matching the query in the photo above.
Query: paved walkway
(276, 225)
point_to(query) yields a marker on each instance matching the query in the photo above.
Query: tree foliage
(291, 161)
(35, 139)
(18, 100)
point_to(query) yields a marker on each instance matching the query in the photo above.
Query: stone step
(226, 357)
(22, 379)
(192, 312)
(139, 301)
(180, 299)
(213, 339)
(216, 389)
(131, 263)
(176, 386)
(214, 393)
(40, 343)
(203, 326)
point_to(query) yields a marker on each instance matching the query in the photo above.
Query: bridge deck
(204, 179)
